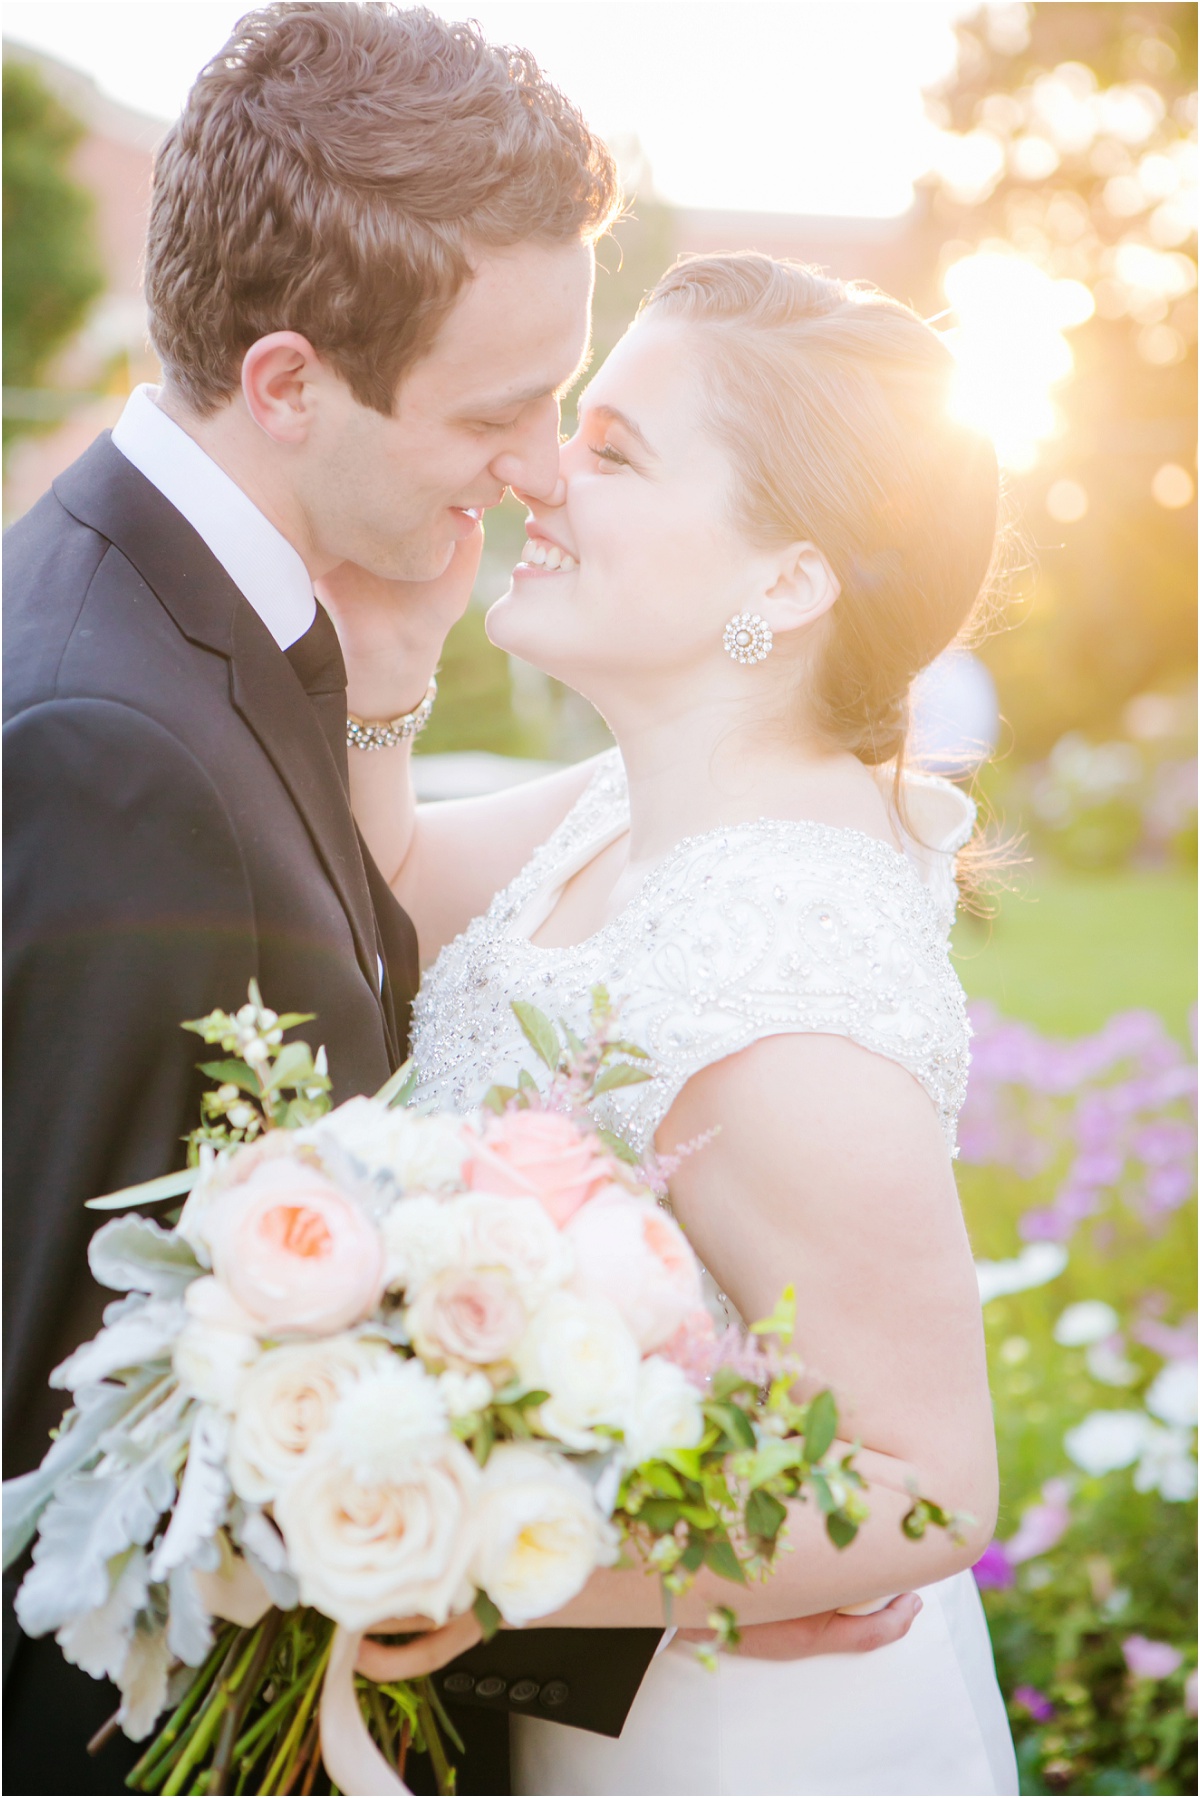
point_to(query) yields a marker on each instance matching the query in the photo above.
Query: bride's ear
(804, 590)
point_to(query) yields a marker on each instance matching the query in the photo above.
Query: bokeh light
(1172, 486)
(1010, 347)
(1067, 502)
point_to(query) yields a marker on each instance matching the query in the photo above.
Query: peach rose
(293, 1252)
(538, 1155)
(468, 1314)
(632, 1253)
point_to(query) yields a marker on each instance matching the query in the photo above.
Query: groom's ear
(280, 376)
(805, 589)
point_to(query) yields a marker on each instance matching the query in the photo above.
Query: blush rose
(538, 1155)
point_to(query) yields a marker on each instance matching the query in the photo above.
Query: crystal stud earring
(748, 638)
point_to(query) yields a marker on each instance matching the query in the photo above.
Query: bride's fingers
(829, 1632)
(429, 1652)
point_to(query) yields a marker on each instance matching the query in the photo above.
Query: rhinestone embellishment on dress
(706, 959)
(748, 638)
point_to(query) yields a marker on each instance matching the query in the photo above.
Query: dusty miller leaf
(136, 1254)
(136, 1339)
(203, 1497)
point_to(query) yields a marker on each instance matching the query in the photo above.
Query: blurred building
(88, 382)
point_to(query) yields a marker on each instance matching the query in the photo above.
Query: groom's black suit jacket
(176, 823)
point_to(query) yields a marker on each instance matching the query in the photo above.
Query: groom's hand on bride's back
(829, 1632)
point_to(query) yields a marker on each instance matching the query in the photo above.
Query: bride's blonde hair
(832, 400)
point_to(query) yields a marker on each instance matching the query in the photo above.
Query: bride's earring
(748, 638)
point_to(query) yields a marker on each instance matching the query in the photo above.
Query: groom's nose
(528, 463)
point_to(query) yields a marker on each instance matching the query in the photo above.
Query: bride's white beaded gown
(752, 930)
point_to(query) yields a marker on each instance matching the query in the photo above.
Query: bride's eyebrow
(612, 416)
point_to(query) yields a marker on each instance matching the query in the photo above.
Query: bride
(766, 524)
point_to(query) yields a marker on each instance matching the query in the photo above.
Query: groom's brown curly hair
(334, 172)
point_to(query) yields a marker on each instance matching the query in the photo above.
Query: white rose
(463, 1393)
(517, 1235)
(286, 1401)
(211, 1363)
(417, 1153)
(420, 1240)
(666, 1412)
(382, 1417)
(582, 1352)
(363, 1552)
(538, 1533)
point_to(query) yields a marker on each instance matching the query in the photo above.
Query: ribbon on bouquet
(352, 1760)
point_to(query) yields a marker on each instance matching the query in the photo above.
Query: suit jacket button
(491, 1687)
(555, 1692)
(524, 1691)
(458, 1683)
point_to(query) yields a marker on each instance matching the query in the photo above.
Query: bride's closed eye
(605, 452)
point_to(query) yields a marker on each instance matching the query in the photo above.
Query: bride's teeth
(554, 555)
(539, 554)
(567, 563)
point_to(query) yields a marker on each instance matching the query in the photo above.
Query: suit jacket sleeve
(126, 911)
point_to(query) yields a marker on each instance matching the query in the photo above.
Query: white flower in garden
(420, 1240)
(419, 1153)
(666, 1412)
(285, 1403)
(211, 1362)
(363, 1552)
(384, 1416)
(463, 1393)
(1038, 1263)
(1108, 1363)
(539, 1534)
(1106, 1440)
(515, 1234)
(582, 1352)
(1089, 1321)
(1172, 1394)
(1167, 1465)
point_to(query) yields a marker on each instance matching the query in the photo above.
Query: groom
(369, 272)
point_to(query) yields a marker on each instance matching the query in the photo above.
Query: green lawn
(1064, 951)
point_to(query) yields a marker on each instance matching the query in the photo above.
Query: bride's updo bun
(832, 400)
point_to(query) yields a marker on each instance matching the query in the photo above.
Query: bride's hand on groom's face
(829, 1632)
(392, 632)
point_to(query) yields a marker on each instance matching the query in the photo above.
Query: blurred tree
(52, 269)
(1068, 136)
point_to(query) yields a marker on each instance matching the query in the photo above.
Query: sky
(808, 106)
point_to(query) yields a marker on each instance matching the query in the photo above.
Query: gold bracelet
(362, 735)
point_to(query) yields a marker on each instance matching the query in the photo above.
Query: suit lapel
(107, 493)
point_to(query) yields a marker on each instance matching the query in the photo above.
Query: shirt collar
(257, 557)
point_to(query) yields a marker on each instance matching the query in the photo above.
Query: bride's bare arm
(444, 862)
(830, 1172)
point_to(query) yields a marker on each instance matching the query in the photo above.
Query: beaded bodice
(752, 930)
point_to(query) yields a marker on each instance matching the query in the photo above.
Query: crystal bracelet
(362, 735)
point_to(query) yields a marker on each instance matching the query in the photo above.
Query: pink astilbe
(700, 1349)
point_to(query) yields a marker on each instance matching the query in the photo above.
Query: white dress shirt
(256, 557)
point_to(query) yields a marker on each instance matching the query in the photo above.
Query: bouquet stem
(268, 1630)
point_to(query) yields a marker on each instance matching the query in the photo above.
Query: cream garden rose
(515, 1234)
(628, 1250)
(665, 1414)
(582, 1352)
(416, 1152)
(468, 1314)
(365, 1550)
(539, 1534)
(295, 1253)
(285, 1403)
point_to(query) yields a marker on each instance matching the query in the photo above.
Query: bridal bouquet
(391, 1369)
